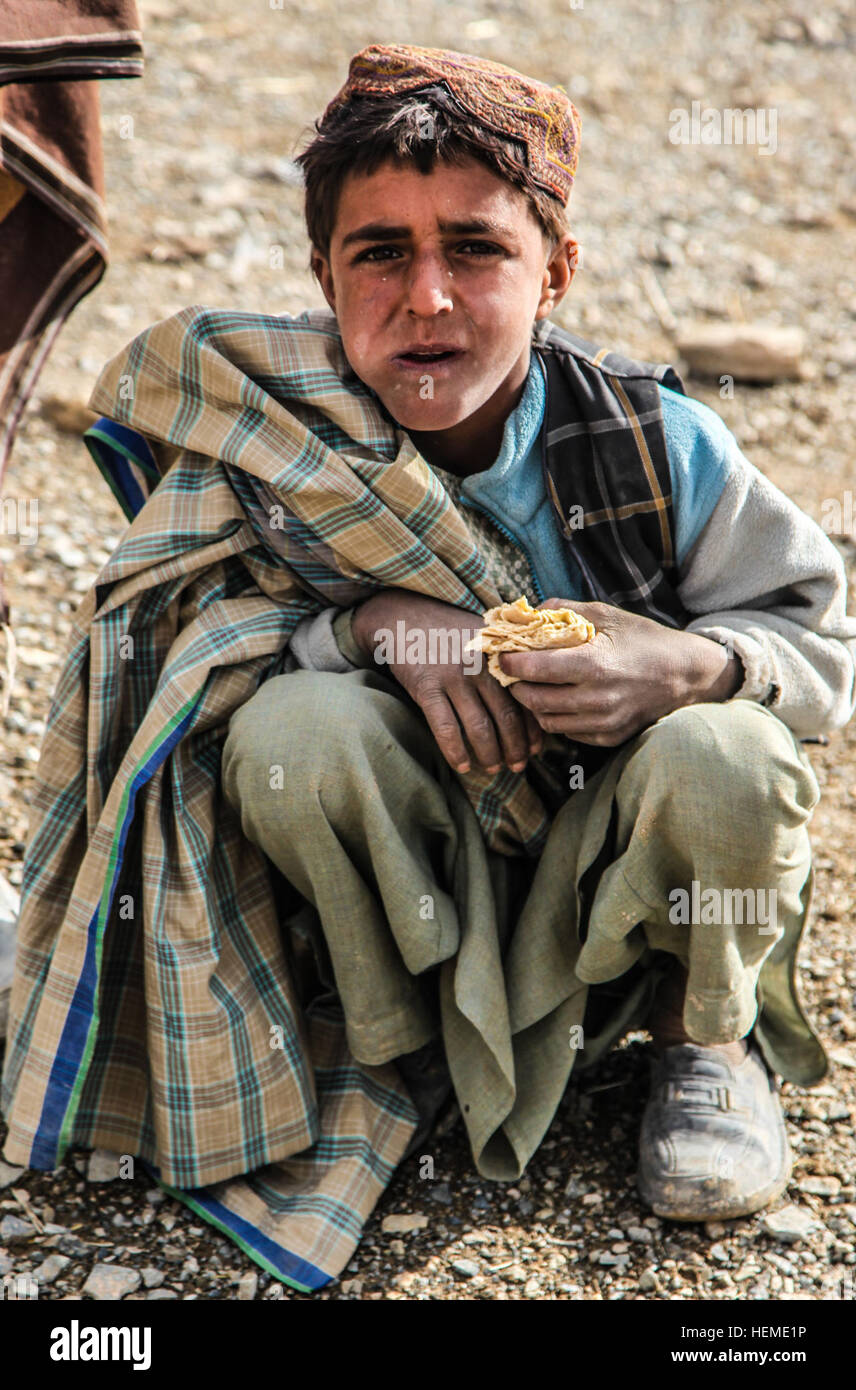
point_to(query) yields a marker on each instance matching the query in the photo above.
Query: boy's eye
(482, 247)
(374, 253)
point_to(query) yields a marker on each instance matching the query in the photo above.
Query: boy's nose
(429, 285)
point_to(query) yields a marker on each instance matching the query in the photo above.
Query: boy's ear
(559, 271)
(320, 267)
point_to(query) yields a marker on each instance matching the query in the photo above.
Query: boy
(492, 883)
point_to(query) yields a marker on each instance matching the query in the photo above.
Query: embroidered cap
(542, 117)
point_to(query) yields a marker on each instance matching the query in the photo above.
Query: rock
(247, 1286)
(72, 1245)
(715, 1230)
(180, 248)
(9, 1174)
(111, 1282)
(790, 1223)
(13, 1230)
(467, 1269)
(820, 1187)
(161, 1295)
(5, 1265)
(441, 1192)
(51, 1268)
(789, 31)
(103, 1166)
(720, 1254)
(277, 169)
(648, 1281)
(403, 1223)
(153, 1278)
(745, 351)
(760, 270)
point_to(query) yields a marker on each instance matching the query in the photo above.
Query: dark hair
(420, 128)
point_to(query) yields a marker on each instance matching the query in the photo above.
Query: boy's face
(454, 263)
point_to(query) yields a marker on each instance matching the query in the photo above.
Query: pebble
(13, 1229)
(619, 1261)
(441, 1192)
(153, 1278)
(640, 1233)
(161, 1295)
(103, 1166)
(109, 1282)
(790, 1223)
(9, 1173)
(402, 1223)
(51, 1268)
(247, 1286)
(648, 1280)
(820, 1187)
(72, 1245)
(466, 1268)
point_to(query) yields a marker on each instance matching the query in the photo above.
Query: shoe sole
(717, 1211)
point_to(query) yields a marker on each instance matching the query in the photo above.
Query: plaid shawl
(288, 489)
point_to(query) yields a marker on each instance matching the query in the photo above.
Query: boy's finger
(510, 724)
(478, 727)
(444, 725)
(534, 731)
(561, 666)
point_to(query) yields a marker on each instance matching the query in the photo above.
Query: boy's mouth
(430, 355)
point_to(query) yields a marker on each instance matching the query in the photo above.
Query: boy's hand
(457, 702)
(632, 672)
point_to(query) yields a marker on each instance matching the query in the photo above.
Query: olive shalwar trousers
(424, 931)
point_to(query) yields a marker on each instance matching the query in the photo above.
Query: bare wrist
(719, 672)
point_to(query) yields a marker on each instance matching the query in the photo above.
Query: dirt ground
(204, 210)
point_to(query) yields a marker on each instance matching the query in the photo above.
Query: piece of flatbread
(518, 627)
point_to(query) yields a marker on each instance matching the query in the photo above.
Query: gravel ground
(204, 210)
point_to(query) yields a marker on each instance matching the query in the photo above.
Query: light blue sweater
(700, 449)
